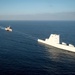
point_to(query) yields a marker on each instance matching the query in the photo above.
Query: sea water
(21, 54)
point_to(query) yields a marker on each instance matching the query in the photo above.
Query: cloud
(45, 16)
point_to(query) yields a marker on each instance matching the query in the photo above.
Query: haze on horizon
(37, 9)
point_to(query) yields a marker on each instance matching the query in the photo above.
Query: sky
(37, 9)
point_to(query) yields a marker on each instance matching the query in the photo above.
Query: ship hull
(60, 46)
(8, 29)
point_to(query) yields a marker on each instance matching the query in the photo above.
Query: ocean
(21, 54)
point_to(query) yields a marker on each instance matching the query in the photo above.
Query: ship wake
(1, 27)
(26, 35)
(22, 33)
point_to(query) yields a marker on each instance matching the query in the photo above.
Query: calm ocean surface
(21, 54)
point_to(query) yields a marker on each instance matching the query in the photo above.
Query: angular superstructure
(54, 40)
